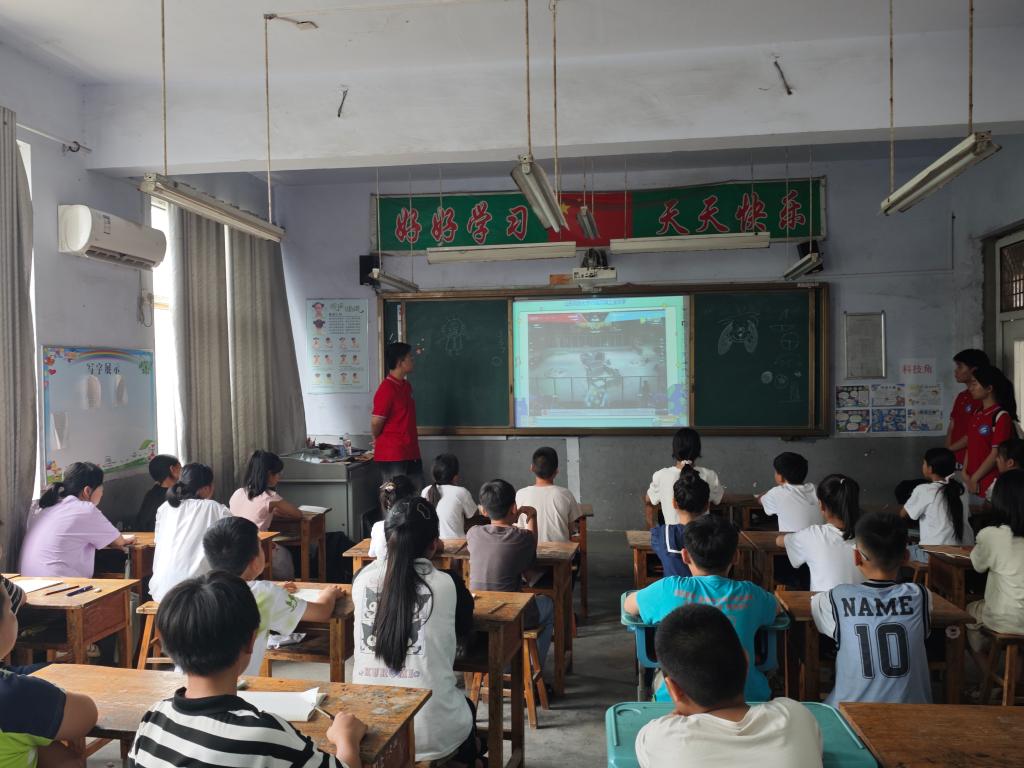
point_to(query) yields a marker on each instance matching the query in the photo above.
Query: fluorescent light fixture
(585, 218)
(202, 204)
(673, 243)
(514, 252)
(398, 283)
(533, 183)
(807, 265)
(972, 150)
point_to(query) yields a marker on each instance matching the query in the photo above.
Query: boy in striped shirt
(208, 626)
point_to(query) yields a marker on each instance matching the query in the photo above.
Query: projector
(589, 278)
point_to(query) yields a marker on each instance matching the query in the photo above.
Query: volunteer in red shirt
(393, 424)
(993, 424)
(965, 406)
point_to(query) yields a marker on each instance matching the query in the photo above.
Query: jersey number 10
(891, 640)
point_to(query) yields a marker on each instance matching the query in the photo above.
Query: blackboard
(777, 386)
(462, 361)
(754, 359)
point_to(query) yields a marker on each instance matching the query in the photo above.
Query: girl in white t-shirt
(454, 504)
(390, 493)
(938, 505)
(181, 523)
(259, 501)
(409, 620)
(827, 549)
(685, 451)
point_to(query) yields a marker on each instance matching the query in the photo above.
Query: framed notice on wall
(336, 353)
(865, 345)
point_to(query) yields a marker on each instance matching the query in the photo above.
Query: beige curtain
(267, 403)
(17, 346)
(199, 313)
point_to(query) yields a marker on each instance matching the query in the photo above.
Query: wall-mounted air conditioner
(84, 231)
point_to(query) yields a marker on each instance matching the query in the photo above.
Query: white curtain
(267, 402)
(199, 312)
(17, 346)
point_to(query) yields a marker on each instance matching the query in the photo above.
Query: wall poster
(336, 351)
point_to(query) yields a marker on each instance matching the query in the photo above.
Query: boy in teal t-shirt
(710, 551)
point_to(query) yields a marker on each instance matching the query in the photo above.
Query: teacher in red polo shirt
(393, 423)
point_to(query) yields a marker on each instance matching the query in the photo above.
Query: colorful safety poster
(853, 421)
(99, 405)
(336, 354)
(888, 396)
(852, 396)
(924, 395)
(888, 420)
(930, 420)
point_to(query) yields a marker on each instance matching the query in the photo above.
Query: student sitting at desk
(209, 627)
(691, 499)
(165, 471)
(938, 505)
(711, 544)
(391, 492)
(880, 626)
(793, 499)
(1000, 553)
(259, 501)
(705, 665)
(557, 509)
(189, 511)
(685, 451)
(233, 545)
(35, 715)
(410, 618)
(454, 504)
(501, 553)
(827, 549)
(64, 534)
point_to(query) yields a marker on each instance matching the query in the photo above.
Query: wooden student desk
(647, 567)
(312, 528)
(947, 572)
(803, 663)
(928, 735)
(123, 696)
(764, 550)
(325, 642)
(85, 619)
(140, 555)
(556, 556)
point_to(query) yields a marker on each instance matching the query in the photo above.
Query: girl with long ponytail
(827, 549)
(454, 504)
(65, 533)
(181, 523)
(993, 423)
(938, 504)
(409, 618)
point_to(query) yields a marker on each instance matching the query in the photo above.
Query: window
(164, 351)
(1011, 277)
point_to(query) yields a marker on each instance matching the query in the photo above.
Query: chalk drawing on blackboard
(786, 377)
(453, 336)
(738, 332)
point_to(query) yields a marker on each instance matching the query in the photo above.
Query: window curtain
(267, 404)
(17, 346)
(199, 314)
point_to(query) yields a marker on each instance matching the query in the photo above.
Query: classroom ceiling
(117, 41)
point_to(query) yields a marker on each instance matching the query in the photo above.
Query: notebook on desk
(313, 510)
(296, 707)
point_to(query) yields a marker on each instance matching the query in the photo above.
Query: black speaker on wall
(366, 264)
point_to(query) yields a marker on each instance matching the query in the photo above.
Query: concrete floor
(571, 733)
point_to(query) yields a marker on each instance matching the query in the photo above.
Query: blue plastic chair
(766, 645)
(842, 748)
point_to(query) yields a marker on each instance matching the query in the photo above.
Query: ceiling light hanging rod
(266, 101)
(163, 76)
(554, 94)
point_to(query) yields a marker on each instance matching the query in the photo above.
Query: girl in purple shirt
(68, 528)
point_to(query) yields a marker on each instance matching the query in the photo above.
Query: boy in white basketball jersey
(880, 626)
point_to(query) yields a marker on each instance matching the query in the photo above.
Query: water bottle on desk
(347, 444)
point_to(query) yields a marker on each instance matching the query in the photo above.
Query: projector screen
(601, 362)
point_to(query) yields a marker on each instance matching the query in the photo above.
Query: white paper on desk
(295, 707)
(310, 508)
(309, 595)
(282, 641)
(34, 585)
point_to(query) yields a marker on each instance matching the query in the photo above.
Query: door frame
(1011, 239)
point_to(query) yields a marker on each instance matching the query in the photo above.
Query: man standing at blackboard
(393, 423)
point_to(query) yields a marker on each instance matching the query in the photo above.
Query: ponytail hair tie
(948, 477)
(842, 481)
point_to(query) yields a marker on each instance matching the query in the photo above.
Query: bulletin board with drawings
(910, 406)
(99, 405)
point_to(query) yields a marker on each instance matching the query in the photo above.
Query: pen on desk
(80, 590)
(497, 607)
(324, 712)
(58, 591)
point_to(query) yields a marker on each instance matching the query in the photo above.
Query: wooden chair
(149, 643)
(580, 537)
(1011, 645)
(533, 678)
